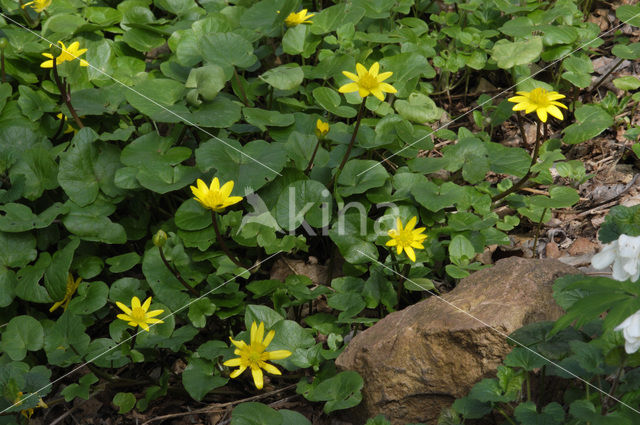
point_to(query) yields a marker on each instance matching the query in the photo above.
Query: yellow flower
(138, 315)
(295, 19)
(69, 129)
(215, 197)
(368, 82)
(67, 54)
(72, 286)
(38, 5)
(322, 128)
(407, 238)
(254, 357)
(539, 100)
(27, 413)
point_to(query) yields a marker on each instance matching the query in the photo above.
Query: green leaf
(591, 121)
(434, 197)
(470, 154)
(560, 197)
(507, 160)
(405, 67)
(157, 98)
(122, 263)
(22, 334)
(227, 49)
(628, 51)
(191, 215)
(284, 77)
(81, 389)
(552, 414)
(255, 414)
(471, 408)
(28, 279)
(461, 249)
(88, 167)
(220, 113)
(304, 200)
(91, 297)
(34, 103)
(199, 378)
(352, 243)
(92, 222)
(359, 175)
(125, 402)
(262, 118)
(17, 249)
(525, 359)
(250, 166)
(207, 80)
(261, 313)
(330, 100)
(508, 54)
(627, 83)
(56, 275)
(418, 108)
(629, 14)
(620, 220)
(294, 39)
(199, 310)
(20, 218)
(158, 163)
(340, 392)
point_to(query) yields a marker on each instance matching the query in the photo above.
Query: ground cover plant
(159, 159)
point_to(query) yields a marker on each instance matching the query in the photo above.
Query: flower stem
(313, 156)
(523, 180)
(175, 272)
(221, 242)
(66, 96)
(351, 143)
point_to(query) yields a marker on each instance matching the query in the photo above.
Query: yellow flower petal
(375, 68)
(278, 354)
(237, 372)
(271, 369)
(233, 362)
(256, 372)
(347, 88)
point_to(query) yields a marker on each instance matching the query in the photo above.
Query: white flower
(631, 330)
(625, 256)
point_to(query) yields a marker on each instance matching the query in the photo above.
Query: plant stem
(604, 77)
(522, 181)
(66, 96)
(614, 386)
(528, 381)
(535, 239)
(177, 274)
(313, 156)
(351, 143)
(4, 76)
(240, 87)
(221, 242)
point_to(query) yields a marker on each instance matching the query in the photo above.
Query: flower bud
(160, 238)
(4, 43)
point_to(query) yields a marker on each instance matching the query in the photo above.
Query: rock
(284, 267)
(417, 361)
(551, 250)
(582, 246)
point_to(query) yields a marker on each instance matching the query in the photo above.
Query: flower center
(368, 81)
(138, 314)
(404, 238)
(254, 356)
(539, 97)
